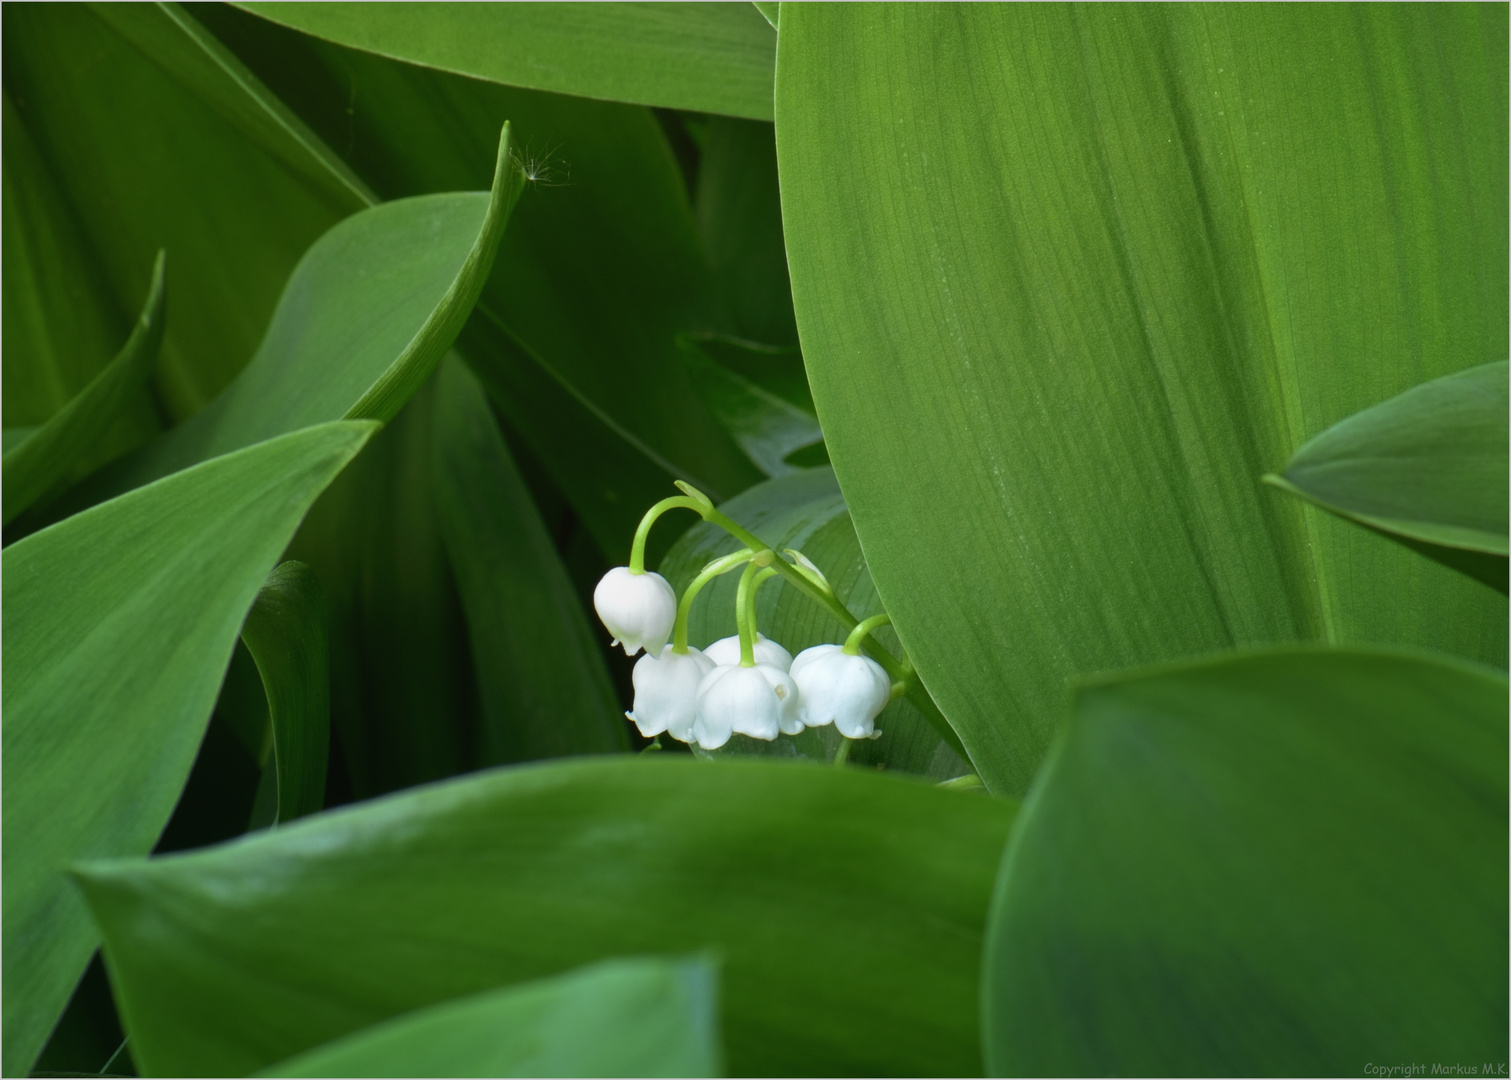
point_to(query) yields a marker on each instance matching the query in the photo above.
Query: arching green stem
(899, 670)
(742, 598)
(707, 574)
(858, 635)
(637, 549)
(747, 614)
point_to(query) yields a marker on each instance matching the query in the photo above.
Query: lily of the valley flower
(836, 687)
(758, 701)
(726, 651)
(638, 609)
(666, 692)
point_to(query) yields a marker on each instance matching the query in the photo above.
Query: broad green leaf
(544, 687)
(1286, 863)
(714, 58)
(771, 10)
(601, 268)
(639, 1017)
(740, 220)
(61, 324)
(365, 317)
(171, 37)
(119, 623)
(1427, 467)
(53, 452)
(403, 689)
(285, 631)
(767, 427)
(804, 511)
(1069, 280)
(847, 909)
(145, 165)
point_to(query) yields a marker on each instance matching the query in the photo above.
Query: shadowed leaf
(54, 452)
(1285, 863)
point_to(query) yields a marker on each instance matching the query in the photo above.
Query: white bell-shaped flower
(835, 687)
(758, 701)
(726, 652)
(666, 692)
(638, 609)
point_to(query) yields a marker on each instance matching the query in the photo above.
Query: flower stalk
(862, 630)
(900, 670)
(708, 573)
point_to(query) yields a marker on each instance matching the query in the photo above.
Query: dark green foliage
(458, 291)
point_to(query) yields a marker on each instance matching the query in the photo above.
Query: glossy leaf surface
(1428, 466)
(119, 625)
(545, 690)
(1285, 863)
(792, 873)
(285, 631)
(56, 450)
(640, 1017)
(715, 58)
(804, 511)
(1069, 280)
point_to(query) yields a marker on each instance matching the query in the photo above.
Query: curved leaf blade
(285, 631)
(575, 337)
(53, 452)
(1286, 863)
(62, 324)
(545, 689)
(365, 317)
(715, 58)
(792, 873)
(1056, 337)
(119, 625)
(637, 1017)
(145, 164)
(1428, 466)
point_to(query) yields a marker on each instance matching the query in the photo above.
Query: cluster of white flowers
(704, 696)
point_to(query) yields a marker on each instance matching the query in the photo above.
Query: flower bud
(726, 652)
(638, 609)
(835, 687)
(666, 692)
(757, 701)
